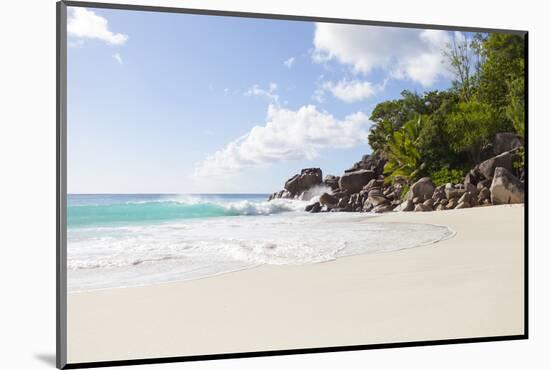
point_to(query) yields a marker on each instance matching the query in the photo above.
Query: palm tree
(379, 136)
(404, 159)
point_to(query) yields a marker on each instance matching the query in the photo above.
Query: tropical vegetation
(443, 133)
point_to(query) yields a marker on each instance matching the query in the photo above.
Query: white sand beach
(471, 285)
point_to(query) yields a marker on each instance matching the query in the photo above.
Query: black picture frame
(61, 188)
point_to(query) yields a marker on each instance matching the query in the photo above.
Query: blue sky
(174, 103)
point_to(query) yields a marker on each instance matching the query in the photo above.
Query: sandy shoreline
(468, 286)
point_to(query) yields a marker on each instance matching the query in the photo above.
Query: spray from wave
(313, 194)
(248, 208)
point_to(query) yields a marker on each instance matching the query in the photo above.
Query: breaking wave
(176, 208)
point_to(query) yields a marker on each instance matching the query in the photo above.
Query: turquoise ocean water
(87, 210)
(120, 240)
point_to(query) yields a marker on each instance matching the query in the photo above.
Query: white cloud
(351, 91)
(402, 53)
(286, 135)
(83, 23)
(118, 58)
(289, 62)
(268, 93)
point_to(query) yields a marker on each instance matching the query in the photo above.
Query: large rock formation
(327, 199)
(313, 208)
(421, 207)
(377, 199)
(406, 206)
(363, 188)
(467, 200)
(502, 142)
(332, 181)
(354, 181)
(382, 208)
(283, 194)
(506, 141)
(487, 168)
(370, 162)
(423, 188)
(308, 178)
(472, 177)
(506, 188)
(483, 195)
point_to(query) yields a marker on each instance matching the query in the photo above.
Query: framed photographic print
(235, 184)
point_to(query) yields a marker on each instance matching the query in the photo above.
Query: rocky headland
(364, 187)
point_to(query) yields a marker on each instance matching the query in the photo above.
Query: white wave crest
(240, 207)
(248, 208)
(185, 199)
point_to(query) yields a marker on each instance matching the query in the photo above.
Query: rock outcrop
(420, 207)
(423, 188)
(506, 188)
(332, 181)
(487, 168)
(506, 142)
(308, 178)
(406, 206)
(363, 188)
(298, 186)
(502, 142)
(369, 162)
(354, 181)
(327, 199)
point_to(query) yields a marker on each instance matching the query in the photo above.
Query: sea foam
(142, 254)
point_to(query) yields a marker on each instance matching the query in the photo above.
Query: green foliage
(519, 163)
(515, 111)
(379, 135)
(441, 132)
(404, 159)
(470, 126)
(404, 191)
(459, 54)
(439, 101)
(433, 142)
(503, 62)
(390, 116)
(399, 111)
(445, 175)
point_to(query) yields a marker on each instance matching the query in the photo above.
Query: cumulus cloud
(286, 135)
(289, 62)
(85, 24)
(351, 91)
(118, 58)
(268, 93)
(403, 53)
